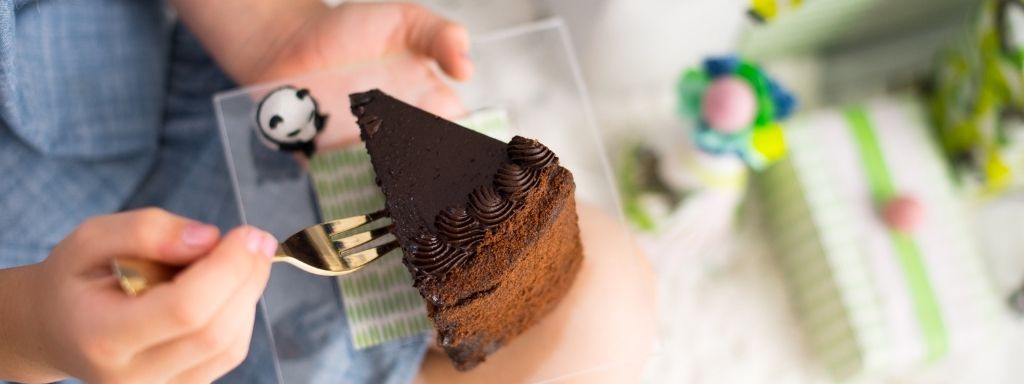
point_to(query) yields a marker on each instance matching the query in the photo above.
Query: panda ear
(274, 121)
(302, 93)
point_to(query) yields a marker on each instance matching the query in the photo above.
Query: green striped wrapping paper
(380, 300)
(873, 300)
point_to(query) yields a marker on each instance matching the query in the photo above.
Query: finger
(189, 302)
(225, 361)
(441, 100)
(223, 341)
(150, 233)
(430, 93)
(446, 42)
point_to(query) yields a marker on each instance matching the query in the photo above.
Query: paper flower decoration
(977, 98)
(737, 108)
(768, 10)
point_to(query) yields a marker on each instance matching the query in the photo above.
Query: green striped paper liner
(818, 255)
(859, 301)
(380, 300)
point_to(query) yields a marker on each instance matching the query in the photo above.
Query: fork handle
(137, 275)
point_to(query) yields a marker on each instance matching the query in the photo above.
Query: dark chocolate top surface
(424, 163)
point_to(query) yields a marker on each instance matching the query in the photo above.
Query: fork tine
(362, 238)
(359, 259)
(335, 227)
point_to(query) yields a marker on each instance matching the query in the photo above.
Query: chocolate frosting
(360, 99)
(489, 207)
(434, 257)
(514, 181)
(369, 123)
(459, 228)
(530, 153)
(435, 175)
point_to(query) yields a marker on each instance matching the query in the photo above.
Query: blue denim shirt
(106, 106)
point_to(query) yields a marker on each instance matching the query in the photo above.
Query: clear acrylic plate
(528, 71)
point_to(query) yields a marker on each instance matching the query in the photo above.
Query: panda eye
(275, 120)
(302, 93)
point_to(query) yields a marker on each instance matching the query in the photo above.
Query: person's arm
(67, 317)
(268, 40)
(21, 358)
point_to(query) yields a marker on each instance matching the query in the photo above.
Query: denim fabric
(106, 106)
(81, 94)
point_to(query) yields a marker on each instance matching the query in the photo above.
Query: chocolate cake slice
(489, 229)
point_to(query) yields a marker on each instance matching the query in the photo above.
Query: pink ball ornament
(904, 213)
(729, 104)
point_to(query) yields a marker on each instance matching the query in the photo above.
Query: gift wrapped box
(873, 296)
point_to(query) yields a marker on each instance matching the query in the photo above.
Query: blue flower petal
(784, 101)
(722, 65)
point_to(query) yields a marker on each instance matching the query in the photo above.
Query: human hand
(192, 329)
(391, 46)
(356, 33)
(397, 44)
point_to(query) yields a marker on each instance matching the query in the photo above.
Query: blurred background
(869, 233)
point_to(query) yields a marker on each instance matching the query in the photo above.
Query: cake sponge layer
(521, 271)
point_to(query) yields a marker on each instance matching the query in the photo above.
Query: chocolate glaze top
(424, 164)
(444, 184)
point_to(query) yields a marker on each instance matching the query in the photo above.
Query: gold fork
(333, 248)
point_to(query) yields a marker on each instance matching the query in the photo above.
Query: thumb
(431, 35)
(150, 233)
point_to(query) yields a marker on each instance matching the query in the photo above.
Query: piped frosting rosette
(737, 108)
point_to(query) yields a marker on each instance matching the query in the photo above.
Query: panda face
(288, 115)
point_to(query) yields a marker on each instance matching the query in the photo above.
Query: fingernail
(198, 234)
(254, 240)
(269, 247)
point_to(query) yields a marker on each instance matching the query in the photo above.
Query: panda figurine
(288, 119)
